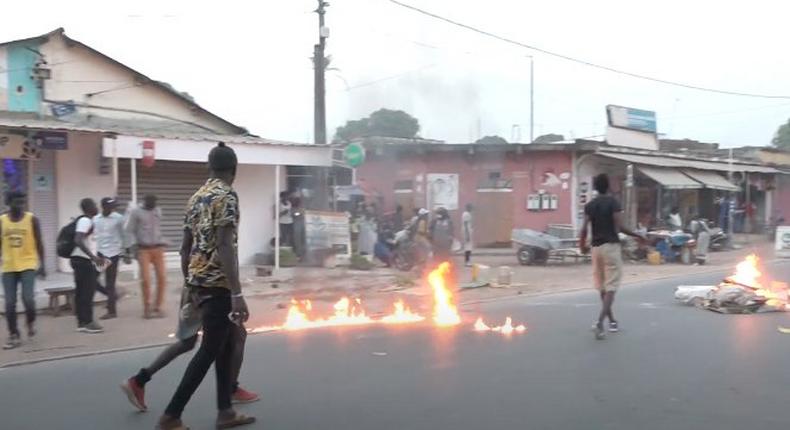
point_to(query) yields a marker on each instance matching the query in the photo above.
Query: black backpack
(65, 242)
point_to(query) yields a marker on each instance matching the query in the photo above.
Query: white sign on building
(632, 128)
(442, 191)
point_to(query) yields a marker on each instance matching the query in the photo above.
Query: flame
(445, 313)
(402, 314)
(505, 329)
(349, 311)
(747, 272)
(481, 326)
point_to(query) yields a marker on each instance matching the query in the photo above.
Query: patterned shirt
(214, 205)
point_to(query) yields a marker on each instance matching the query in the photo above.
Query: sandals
(236, 421)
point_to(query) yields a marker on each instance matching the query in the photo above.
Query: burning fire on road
(748, 290)
(350, 312)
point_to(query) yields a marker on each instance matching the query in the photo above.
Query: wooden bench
(55, 293)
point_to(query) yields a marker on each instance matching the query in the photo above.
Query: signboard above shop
(632, 128)
(632, 119)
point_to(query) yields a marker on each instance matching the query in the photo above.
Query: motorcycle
(718, 239)
(407, 252)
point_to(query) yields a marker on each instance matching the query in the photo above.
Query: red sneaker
(135, 393)
(243, 396)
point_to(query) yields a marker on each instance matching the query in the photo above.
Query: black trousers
(108, 289)
(216, 348)
(85, 280)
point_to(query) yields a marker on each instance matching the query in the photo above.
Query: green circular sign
(354, 154)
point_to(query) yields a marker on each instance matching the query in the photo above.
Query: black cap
(108, 201)
(222, 158)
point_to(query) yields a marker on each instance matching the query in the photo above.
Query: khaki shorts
(607, 262)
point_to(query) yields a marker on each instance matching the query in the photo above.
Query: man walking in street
(468, 233)
(145, 229)
(209, 256)
(111, 243)
(22, 254)
(605, 216)
(85, 261)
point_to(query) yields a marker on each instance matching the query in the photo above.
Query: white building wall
(77, 71)
(255, 187)
(78, 177)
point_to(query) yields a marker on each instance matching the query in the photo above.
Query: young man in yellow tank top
(23, 256)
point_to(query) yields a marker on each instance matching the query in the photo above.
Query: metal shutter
(173, 182)
(45, 204)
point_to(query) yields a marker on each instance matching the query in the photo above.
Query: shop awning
(670, 178)
(687, 163)
(711, 180)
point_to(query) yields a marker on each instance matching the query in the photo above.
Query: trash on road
(379, 354)
(747, 291)
(783, 330)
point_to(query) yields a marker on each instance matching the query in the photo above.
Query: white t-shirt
(85, 225)
(288, 217)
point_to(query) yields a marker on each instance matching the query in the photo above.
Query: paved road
(672, 367)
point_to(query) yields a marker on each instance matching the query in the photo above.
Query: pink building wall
(530, 172)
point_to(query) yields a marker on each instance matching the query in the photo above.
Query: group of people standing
(95, 243)
(436, 235)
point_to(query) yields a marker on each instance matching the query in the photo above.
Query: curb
(474, 302)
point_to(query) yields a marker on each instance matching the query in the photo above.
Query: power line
(387, 78)
(584, 62)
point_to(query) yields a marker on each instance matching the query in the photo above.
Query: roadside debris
(747, 291)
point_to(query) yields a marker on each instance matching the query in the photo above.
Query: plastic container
(654, 257)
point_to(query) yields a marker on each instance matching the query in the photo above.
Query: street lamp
(531, 99)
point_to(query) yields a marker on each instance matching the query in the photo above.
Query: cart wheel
(526, 256)
(402, 262)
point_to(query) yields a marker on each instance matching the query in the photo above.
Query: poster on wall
(327, 230)
(442, 191)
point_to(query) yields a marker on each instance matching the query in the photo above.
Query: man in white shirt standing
(286, 220)
(468, 233)
(111, 244)
(84, 261)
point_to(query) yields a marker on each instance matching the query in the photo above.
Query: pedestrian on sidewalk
(22, 255)
(286, 220)
(86, 264)
(111, 245)
(210, 260)
(145, 230)
(605, 216)
(468, 233)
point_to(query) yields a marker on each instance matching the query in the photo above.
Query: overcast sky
(249, 61)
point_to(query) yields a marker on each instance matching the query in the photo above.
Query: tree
(382, 123)
(491, 140)
(782, 137)
(550, 138)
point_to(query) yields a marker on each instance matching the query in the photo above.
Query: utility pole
(321, 200)
(531, 99)
(319, 65)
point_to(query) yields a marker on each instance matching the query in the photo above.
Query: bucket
(480, 273)
(503, 278)
(654, 257)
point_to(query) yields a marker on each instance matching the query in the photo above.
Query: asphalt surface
(671, 367)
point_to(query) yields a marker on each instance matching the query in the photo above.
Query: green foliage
(359, 262)
(288, 258)
(549, 138)
(382, 123)
(491, 140)
(782, 137)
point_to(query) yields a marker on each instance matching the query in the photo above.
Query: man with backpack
(76, 242)
(22, 255)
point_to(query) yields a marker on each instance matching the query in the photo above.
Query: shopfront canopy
(671, 179)
(710, 180)
(685, 163)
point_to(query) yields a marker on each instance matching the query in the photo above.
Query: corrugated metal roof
(666, 161)
(670, 178)
(127, 127)
(711, 180)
